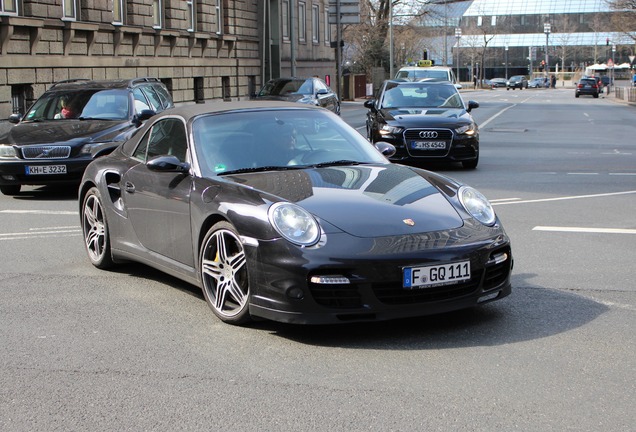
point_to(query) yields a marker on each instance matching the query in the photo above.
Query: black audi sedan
(426, 121)
(312, 91)
(71, 124)
(284, 212)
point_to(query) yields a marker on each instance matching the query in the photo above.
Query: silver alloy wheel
(94, 227)
(224, 275)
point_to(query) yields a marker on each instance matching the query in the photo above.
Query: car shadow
(530, 312)
(48, 193)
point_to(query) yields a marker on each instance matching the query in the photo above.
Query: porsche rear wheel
(223, 267)
(95, 230)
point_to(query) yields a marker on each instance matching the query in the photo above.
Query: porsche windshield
(271, 139)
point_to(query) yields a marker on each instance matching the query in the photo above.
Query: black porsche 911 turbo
(282, 211)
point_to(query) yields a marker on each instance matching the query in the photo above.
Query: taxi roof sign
(425, 63)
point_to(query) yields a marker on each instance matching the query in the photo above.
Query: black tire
(10, 190)
(224, 274)
(576, 95)
(471, 164)
(95, 230)
(596, 96)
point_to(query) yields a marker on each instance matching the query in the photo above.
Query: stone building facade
(201, 49)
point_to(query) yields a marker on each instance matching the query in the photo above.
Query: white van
(437, 73)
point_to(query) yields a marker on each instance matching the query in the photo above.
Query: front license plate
(436, 275)
(45, 169)
(428, 145)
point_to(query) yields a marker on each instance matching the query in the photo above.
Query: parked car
(312, 91)
(71, 124)
(498, 82)
(517, 81)
(284, 212)
(587, 86)
(436, 73)
(425, 121)
(536, 83)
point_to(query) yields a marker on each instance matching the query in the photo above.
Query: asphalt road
(133, 349)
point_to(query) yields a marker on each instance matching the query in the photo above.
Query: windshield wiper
(337, 163)
(260, 169)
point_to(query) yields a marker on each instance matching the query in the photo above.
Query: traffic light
(607, 41)
(425, 55)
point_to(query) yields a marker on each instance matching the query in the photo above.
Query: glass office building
(520, 36)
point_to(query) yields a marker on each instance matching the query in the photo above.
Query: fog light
(330, 280)
(498, 259)
(295, 293)
(8, 177)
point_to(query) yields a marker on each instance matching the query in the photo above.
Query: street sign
(631, 59)
(349, 12)
(610, 63)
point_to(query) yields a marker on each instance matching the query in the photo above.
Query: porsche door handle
(129, 187)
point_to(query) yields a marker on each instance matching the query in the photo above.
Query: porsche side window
(168, 137)
(140, 151)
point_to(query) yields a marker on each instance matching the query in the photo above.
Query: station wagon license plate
(428, 145)
(45, 169)
(436, 275)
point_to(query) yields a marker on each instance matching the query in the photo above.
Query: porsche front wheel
(223, 267)
(95, 230)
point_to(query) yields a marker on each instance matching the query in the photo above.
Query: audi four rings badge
(428, 134)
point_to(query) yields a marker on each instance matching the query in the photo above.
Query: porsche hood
(369, 200)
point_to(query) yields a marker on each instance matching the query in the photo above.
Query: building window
(285, 18)
(479, 21)
(157, 14)
(190, 17)
(225, 84)
(118, 11)
(302, 20)
(21, 98)
(199, 95)
(315, 23)
(69, 9)
(9, 7)
(327, 28)
(493, 20)
(218, 12)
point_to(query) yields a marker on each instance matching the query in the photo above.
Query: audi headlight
(477, 205)
(294, 223)
(390, 130)
(468, 129)
(7, 151)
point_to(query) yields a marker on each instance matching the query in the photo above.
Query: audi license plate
(436, 275)
(428, 145)
(45, 169)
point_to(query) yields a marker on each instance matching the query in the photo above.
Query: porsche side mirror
(167, 164)
(385, 148)
(370, 104)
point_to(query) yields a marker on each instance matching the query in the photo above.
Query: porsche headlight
(294, 223)
(7, 151)
(477, 205)
(468, 129)
(390, 130)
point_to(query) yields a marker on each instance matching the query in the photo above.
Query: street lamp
(506, 58)
(546, 30)
(613, 66)
(458, 35)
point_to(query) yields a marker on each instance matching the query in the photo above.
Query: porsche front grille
(46, 152)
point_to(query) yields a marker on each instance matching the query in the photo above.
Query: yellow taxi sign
(425, 63)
